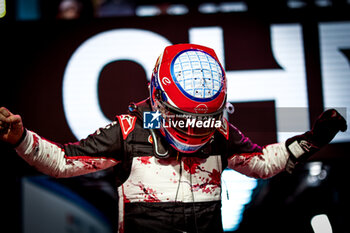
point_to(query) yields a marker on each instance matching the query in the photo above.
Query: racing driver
(169, 150)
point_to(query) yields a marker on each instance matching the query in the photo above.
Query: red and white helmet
(188, 85)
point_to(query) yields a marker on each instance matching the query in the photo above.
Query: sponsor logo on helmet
(166, 80)
(201, 108)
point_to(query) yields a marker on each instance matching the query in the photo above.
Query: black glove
(301, 147)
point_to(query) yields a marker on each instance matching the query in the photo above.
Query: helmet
(188, 88)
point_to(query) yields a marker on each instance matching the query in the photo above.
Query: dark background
(34, 54)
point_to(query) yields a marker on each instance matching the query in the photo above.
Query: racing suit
(181, 193)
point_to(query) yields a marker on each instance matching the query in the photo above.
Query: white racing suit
(181, 193)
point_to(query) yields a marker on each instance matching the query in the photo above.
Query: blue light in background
(27, 10)
(236, 192)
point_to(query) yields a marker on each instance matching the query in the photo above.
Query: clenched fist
(301, 147)
(11, 126)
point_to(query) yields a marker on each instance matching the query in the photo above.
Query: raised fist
(328, 124)
(11, 126)
(301, 147)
